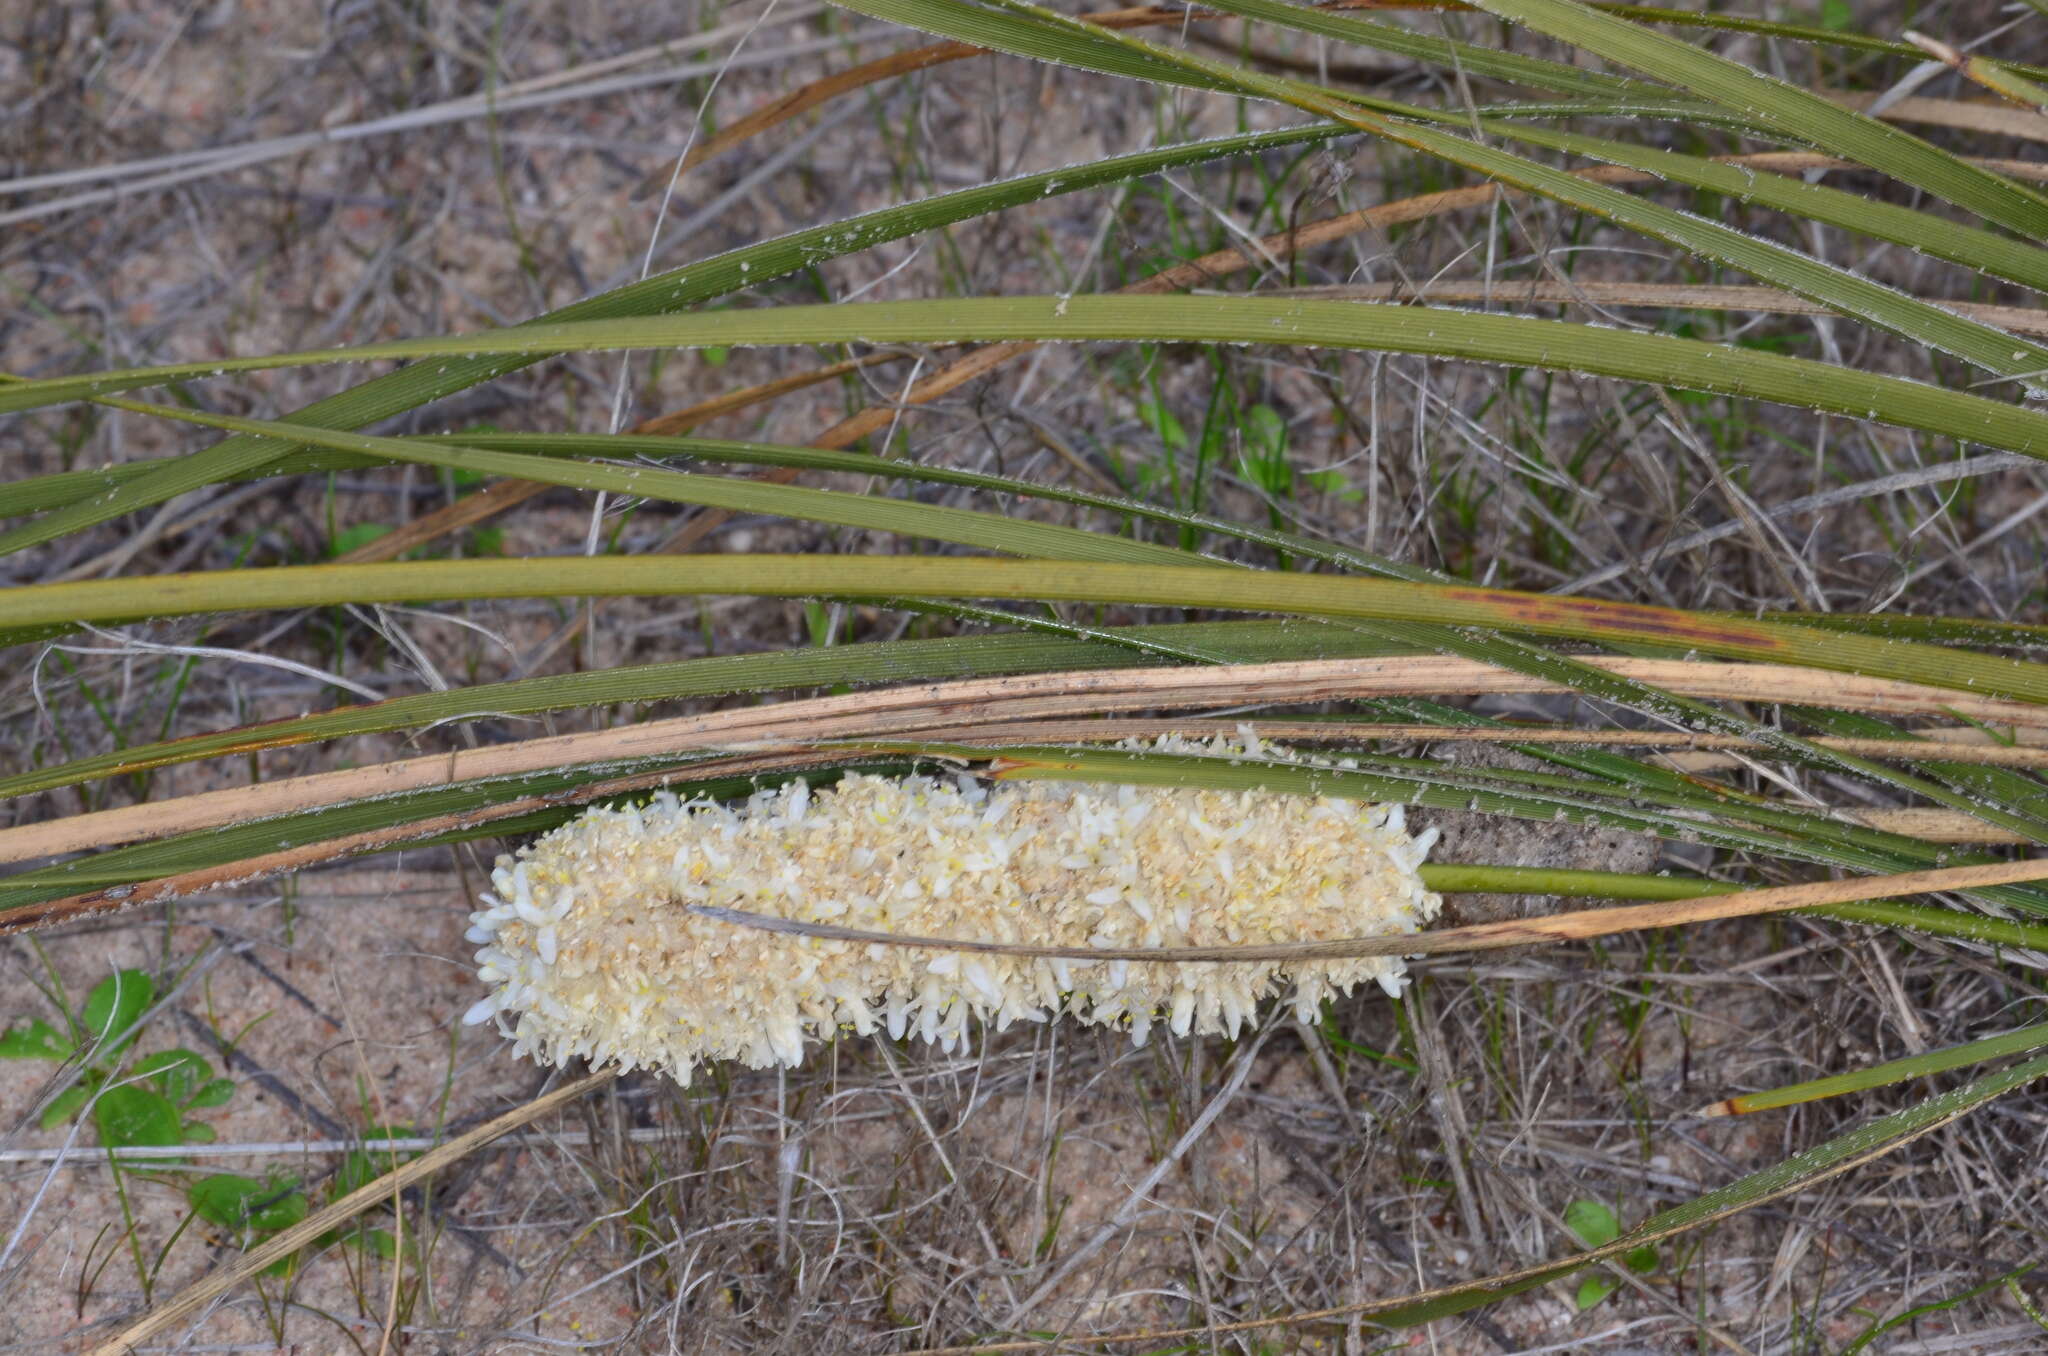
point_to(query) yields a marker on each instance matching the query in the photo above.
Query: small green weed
(150, 1103)
(252, 1210)
(1594, 1225)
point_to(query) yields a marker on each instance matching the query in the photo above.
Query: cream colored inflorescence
(592, 951)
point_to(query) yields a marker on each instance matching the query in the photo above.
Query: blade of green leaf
(1052, 581)
(1982, 250)
(1463, 57)
(966, 527)
(1517, 340)
(1792, 111)
(1883, 1075)
(1844, 38)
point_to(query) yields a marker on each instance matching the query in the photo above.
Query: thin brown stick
(1932, 825)
(467, 511)
(195, 1297)
(682, 421)
(1967, 115)
(902, 710)
(1562, 927)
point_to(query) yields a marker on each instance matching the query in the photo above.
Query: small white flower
(592, 951)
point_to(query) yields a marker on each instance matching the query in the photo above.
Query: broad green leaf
(130, 1117)
(246, 1207)
(1594, 1289)
(177, 1073)
(66, 1104)
(113, 1008)
(1592, 1223)
(214, 1092)
(34, 1039)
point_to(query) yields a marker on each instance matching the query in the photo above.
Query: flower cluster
(592, 951)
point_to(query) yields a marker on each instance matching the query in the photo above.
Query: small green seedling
(148, 1103)
(1595, 1226)
(360, 1167)
(250, 1210)
(1263, 458)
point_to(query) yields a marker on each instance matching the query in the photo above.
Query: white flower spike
(597, 956)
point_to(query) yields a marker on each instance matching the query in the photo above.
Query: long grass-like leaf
(1052, 542)
(1053, 581)
(1517, 340)
(1792, 111)
(966, 527)
(1882, 1075)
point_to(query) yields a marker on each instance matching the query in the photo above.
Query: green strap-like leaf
(1978, 249)
(1792, 111)
(486, 803)
(965, 527)
(1003, 534)
(1893, 1071)
(1308, 322)
(105, 600)
(1723, 821)
(1845, 38)
(1449, 54)
(1243, 642)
